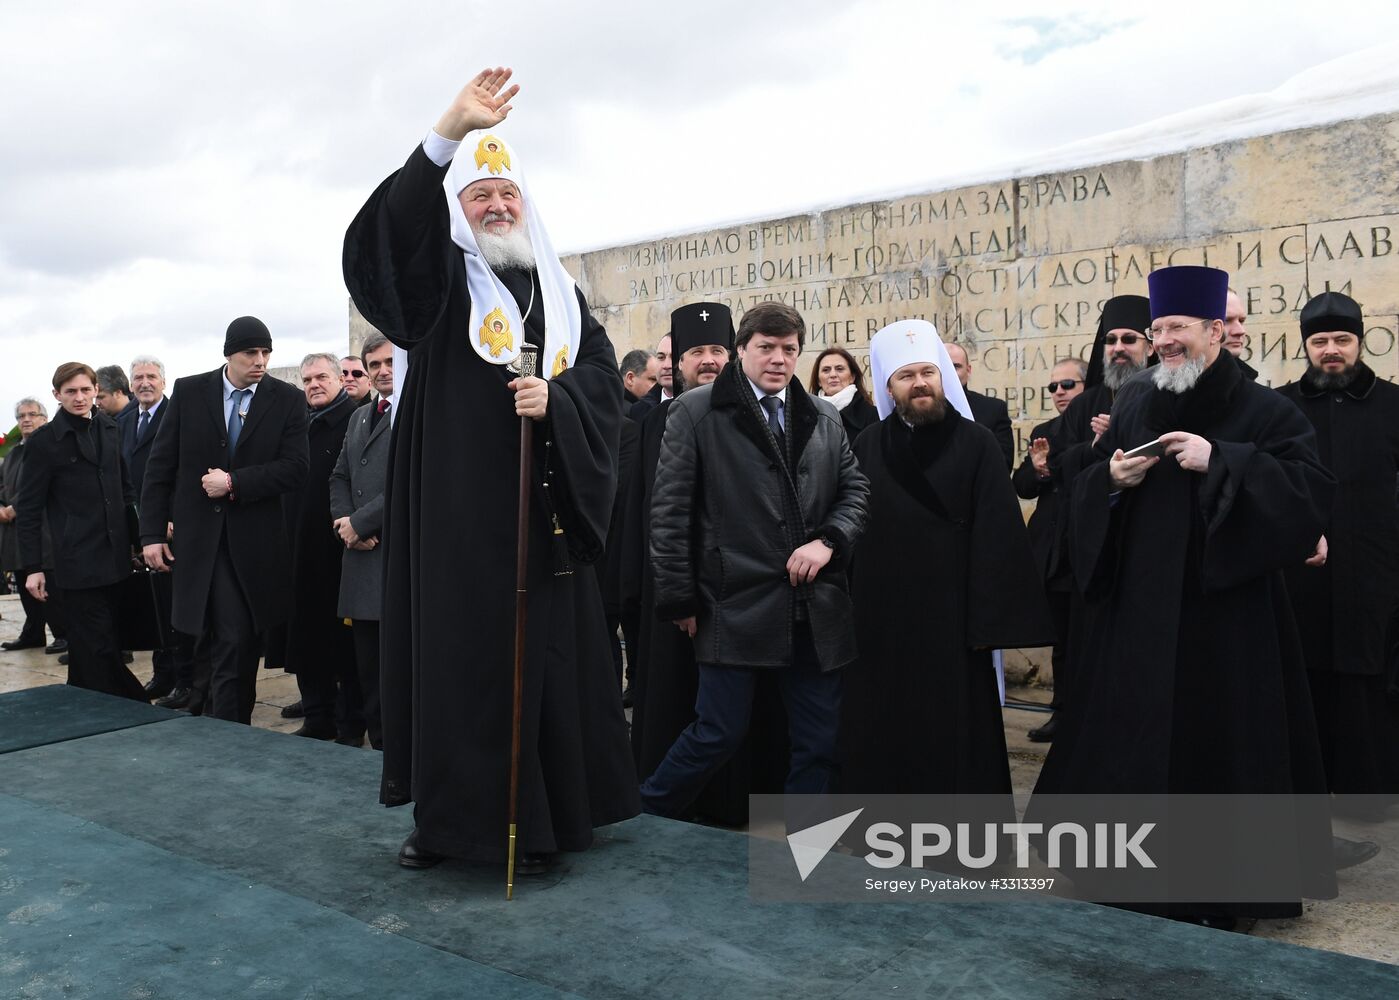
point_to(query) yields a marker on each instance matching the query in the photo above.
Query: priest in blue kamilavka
(1191, 675)
(450, 259)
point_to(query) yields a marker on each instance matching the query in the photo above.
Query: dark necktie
(235, 417)
(142, 425)
(774, 406)
(383, 407)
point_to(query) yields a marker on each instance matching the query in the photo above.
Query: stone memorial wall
(1017, 270)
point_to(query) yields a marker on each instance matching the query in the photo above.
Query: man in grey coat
(357, 507)
(757, 505)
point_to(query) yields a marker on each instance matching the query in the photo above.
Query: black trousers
(175, 662)
(34, 609)
(330, 689)
(366, 634)
(1059, 601)
(226, 655)
(94, 645)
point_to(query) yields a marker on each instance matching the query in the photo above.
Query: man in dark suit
(319, 649)
(357, 509)
(173, 665)
(659, 392)
(74, 479)
(233, 443)
(988, 411)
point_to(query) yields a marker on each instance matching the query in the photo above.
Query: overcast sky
(168, 166)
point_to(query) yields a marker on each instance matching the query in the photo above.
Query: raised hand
(482, 103)
(1039, 456)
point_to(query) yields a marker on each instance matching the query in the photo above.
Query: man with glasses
(1190, 679)
(355, 379)
(1036, 480)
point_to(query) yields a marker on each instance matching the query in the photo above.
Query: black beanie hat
(245, 333)
(1331, 312)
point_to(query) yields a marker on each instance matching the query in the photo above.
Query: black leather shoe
(159, 688)
(315, 732)
(1349, 853)
(410, 855)
(63, 659)
(533, 864)
(57, 646)
(350, 741)
(10, 645)
(294, 711)
(178, 698)
(1044, 733)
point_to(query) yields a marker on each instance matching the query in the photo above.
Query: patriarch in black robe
(458, 282)
(1346, 597)
(1192, 679)
(942, 575)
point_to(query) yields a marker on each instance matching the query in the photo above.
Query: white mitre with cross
(497, 325)
(907, 342)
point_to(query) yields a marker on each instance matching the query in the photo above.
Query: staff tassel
(529, 358)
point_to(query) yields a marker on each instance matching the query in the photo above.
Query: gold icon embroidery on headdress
(491, 153)
(560, 361)
(495, 333)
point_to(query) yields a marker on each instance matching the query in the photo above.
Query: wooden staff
(529, 356)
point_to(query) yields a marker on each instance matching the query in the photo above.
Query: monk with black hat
(1347, 594)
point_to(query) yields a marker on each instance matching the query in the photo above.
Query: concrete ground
(1366, 930)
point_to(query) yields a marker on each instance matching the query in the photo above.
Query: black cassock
(1192, 678)
(666, 679)
(942, 575)
(1346, 607)
(450, 539)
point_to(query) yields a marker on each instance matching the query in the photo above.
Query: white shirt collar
(760, 393)
(228, 387)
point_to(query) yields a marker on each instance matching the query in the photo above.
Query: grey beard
(508, 250)
(1327, 381)
(1115, 376)
(922, 418)
(1179, 380)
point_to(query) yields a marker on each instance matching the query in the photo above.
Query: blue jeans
(723, 708)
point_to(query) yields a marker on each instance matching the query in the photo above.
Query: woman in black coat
(837, 376)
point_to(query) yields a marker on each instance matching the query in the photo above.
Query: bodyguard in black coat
(754, 506)
(75, 478)
(219, 472)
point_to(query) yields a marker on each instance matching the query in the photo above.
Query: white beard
(511, 249)
(1181, 379)
(1115, 376)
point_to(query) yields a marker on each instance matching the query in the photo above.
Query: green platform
(56, 713)
(199, 858)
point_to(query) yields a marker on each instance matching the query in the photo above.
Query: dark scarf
(325, 412)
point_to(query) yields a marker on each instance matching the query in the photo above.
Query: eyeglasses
(1174, 329)
(1064, 383)
(352, 372)
(1127, 339)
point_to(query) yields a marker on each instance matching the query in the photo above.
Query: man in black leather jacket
(758, 502)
